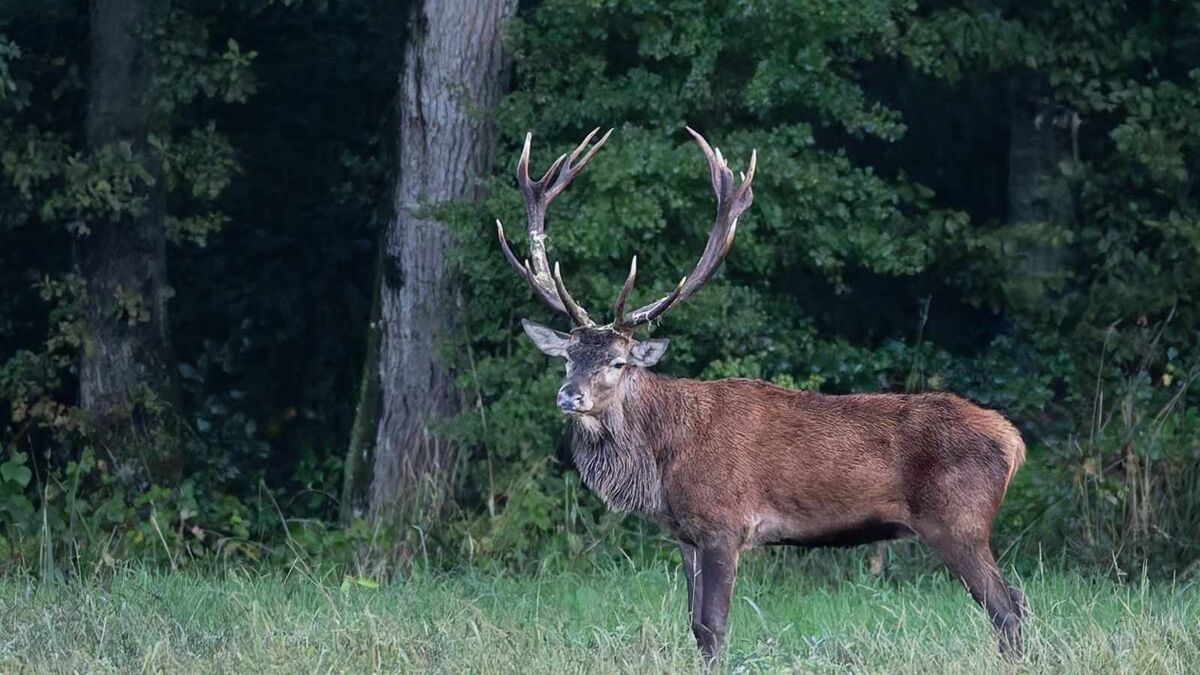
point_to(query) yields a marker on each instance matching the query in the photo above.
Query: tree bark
(124, 373)
(454, 76)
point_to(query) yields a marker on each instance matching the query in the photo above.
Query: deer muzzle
(572, 400)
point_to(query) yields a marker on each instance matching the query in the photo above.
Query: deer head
(601, 358)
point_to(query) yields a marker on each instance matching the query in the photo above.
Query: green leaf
(14, 470)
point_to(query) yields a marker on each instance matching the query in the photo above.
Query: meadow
(618, 617)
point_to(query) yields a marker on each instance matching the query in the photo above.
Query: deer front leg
(718, 568)
(695, 585)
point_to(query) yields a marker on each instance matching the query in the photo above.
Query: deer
(728, 465)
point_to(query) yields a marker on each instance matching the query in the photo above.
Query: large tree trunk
(124, 374)
(1041, 135)
(454, 76)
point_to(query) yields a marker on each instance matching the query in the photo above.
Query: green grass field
(619, 619)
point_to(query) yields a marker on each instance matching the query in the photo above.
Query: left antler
(732, 201)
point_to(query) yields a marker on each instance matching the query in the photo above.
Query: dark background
(990, 198)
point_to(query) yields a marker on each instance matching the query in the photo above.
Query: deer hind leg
(971, 560)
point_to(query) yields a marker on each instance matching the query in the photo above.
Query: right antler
(732, 201)
(538, 195)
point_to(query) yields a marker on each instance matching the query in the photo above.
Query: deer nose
(570, 399)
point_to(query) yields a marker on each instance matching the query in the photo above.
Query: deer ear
(646, 354)
(547, 339)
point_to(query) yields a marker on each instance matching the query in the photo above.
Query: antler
(732, 201)
(538, 195)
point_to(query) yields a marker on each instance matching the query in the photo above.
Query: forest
(254, 314)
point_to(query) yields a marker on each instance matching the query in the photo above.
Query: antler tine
(578, 314)
(732, 201)
(656, 309)
(619, 306)
(716, 163)
(571, 169)
(508, 252)
(538, 195)
(587, 139)
(523, 163)
(553, 170)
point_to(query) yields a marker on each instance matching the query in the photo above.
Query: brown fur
(995, 426)
(732, 464)
(746, 462)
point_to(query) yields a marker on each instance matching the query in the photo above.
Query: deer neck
(619, 452)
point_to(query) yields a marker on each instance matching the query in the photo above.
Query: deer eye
(618, 364)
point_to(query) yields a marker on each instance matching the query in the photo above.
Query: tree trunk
(1040, 144)
(360, 455)
(454, 76)
(124, 373)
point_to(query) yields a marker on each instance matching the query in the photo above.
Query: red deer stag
(731, 464)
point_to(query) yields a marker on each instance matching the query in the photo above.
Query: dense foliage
(882, 252)
(877, 255)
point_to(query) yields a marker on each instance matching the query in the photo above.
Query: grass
(622, 618)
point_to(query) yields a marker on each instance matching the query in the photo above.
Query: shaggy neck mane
(620, 452)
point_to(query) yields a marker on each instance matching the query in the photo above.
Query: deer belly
(778, 531)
